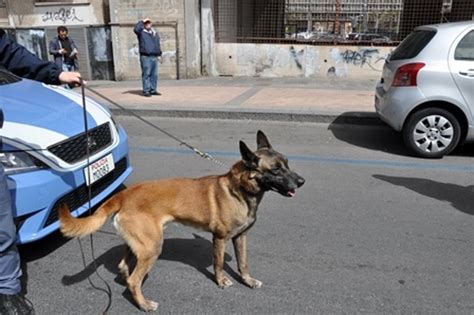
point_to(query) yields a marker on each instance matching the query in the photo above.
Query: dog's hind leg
(146, 253)
(123, 265)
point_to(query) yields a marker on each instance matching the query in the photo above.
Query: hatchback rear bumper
(394, 105)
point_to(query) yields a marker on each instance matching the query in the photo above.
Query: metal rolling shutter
(78, 34)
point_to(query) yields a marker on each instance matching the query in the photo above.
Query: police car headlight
(19, 162)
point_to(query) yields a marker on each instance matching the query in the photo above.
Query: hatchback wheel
(432, 132)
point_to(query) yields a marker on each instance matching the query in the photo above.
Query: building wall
(169, 19)
(353, 15)
(263, 60)
(33, 24)
(29, 13)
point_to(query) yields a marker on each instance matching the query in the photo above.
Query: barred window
(55, 1)
(60, 2)
(381, 22)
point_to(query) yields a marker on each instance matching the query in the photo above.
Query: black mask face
(271, 167)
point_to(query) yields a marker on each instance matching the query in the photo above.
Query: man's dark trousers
(10, 270)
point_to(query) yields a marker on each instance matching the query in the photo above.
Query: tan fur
(225, 205)
(213, 203)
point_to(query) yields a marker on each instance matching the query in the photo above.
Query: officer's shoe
(15, 304)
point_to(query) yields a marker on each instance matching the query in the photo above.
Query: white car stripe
(100, 116)
(33, 135)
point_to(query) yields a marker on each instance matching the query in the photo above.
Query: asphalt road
(372, 230)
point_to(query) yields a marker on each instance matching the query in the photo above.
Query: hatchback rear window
(411, 46)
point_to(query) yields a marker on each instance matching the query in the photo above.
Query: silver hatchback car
(427, 88)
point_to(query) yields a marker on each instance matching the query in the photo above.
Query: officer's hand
(71, 78)
(160, 59)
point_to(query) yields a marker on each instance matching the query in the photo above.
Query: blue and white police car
(48, 155)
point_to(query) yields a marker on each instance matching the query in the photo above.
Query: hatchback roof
(449, 26)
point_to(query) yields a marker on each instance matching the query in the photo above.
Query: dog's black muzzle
(284, 182)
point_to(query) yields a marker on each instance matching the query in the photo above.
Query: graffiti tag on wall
(62, 14)
(361, 57)
(168, 7)
(297, 56)
(165, 8)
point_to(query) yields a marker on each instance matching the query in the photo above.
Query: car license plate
(99, 169)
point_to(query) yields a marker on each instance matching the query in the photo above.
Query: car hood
(38, 115)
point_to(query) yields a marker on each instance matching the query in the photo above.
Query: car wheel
(432, 132)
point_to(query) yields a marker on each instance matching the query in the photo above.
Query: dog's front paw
(149, 306)
(253, 283)
(224, 283)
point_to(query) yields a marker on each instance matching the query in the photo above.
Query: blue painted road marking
(425, 165)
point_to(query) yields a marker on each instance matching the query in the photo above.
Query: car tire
(432, 133)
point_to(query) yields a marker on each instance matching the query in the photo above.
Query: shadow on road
(42, 248)
(368, 131)
(373, 136)
(135, 92)
(460, 197)
(464, 150)
(197, 253)
(37, 250)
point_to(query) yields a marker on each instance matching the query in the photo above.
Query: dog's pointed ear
(262, 141)
(248, 157)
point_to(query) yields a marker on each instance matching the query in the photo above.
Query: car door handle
(468, 73)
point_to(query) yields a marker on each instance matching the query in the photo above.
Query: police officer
(21, 62)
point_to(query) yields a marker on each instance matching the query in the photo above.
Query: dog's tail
(80, 227)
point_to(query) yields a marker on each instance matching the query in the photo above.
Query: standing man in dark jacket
(150, 50)
(21, 62)
(64, 50)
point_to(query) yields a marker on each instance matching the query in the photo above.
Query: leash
(202, 154)
(108, 291)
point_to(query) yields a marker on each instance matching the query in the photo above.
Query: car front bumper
(37, 195)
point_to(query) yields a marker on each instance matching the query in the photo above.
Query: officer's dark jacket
(17, 59)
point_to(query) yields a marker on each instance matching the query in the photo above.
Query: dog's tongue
(291, 193)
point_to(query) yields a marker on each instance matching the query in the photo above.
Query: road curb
(350, 118)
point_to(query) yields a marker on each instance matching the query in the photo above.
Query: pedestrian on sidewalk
(150, 51)
(64, 50)
(21, 62)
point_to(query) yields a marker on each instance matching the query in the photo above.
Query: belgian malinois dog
(225, 205)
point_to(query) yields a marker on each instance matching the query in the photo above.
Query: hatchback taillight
(406, 74)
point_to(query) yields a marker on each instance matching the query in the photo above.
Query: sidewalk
(294, 99)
